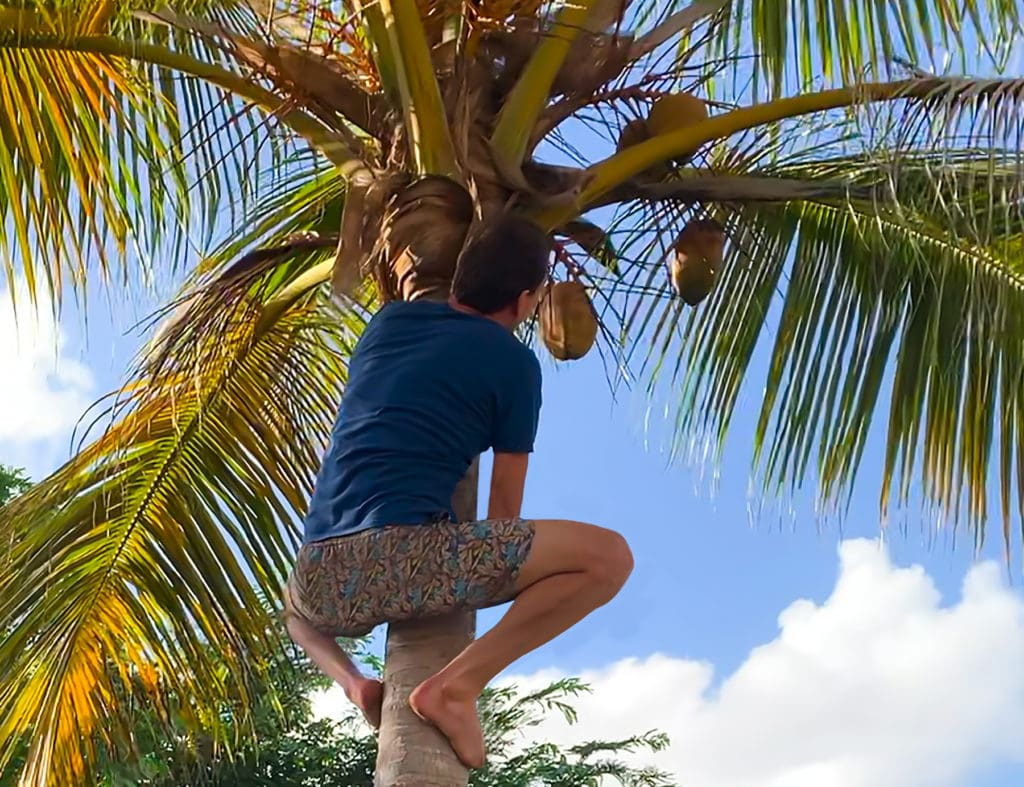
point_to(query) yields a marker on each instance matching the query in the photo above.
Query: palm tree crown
(710, 170)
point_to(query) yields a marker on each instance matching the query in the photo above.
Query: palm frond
(80, 141)
(843, 41)
(916, 291)
(948, 112)
(302, 197)
(105, 156)
(157, 542)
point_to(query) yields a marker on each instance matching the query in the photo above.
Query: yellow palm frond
(157, 543)
(101, 148)
(78, 126)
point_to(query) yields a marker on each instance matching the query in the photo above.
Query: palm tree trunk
(411, 753)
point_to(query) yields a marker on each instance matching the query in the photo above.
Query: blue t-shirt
(429, 389)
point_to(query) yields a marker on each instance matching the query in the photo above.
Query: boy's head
(502, 267)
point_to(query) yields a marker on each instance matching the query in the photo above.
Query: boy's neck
(504, 318)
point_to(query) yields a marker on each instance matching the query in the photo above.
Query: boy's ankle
(457, 688)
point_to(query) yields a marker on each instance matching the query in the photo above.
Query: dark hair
(503, 257)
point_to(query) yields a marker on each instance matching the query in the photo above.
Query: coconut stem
(531, 92)
(613, 171)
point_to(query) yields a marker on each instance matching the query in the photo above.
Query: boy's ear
(524, 305)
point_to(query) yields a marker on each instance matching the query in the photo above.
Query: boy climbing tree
(431, 386)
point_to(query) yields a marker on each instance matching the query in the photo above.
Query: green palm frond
(893, 232)
(842, 40)
(915, 291)
(80, 141)
(159, 540)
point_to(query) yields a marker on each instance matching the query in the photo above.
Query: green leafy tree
(287, 746)
(13, 482)
(871, 208)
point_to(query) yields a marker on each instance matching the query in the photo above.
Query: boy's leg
(571, 570)
(324, 651)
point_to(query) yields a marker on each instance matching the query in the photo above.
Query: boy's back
(431, 387)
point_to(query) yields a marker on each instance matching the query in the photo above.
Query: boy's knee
(297, 628)
(615, 562)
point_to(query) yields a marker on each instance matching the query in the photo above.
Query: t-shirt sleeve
(518, 411)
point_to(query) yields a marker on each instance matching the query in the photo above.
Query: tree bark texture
(411, 753)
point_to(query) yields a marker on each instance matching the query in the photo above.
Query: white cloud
(44, 391)
(879, 686)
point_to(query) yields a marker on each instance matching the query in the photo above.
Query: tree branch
(426, 121)
(675, 24)
(283, 300)
(276, 19)
(309, 73)
(533, 88)
(570, 104)
(733, 188)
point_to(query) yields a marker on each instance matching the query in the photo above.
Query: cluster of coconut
(568, 322)
(700, 247)
(671, 112)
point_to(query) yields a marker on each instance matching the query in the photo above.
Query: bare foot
(455, 717)
(368, 696)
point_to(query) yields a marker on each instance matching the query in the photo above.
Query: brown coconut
(425, 235)
(674, 112)
(633, 133)
(568, 324)
(699, 251)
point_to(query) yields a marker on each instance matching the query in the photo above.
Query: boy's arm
(514, 433)
(508, 479)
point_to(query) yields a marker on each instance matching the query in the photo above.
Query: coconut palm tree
(708, 169)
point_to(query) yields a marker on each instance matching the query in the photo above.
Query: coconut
(673, 112)
(699, 250)
(568, 324)
(633, 133)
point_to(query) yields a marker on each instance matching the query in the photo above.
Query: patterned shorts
(346, 586)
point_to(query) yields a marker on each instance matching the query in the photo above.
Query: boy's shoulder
(516, 363)
(402, 315)
(527, 355)
(495, 342)
(401, 308)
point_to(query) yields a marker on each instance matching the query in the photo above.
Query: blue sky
(693, 642)
(881, 671)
